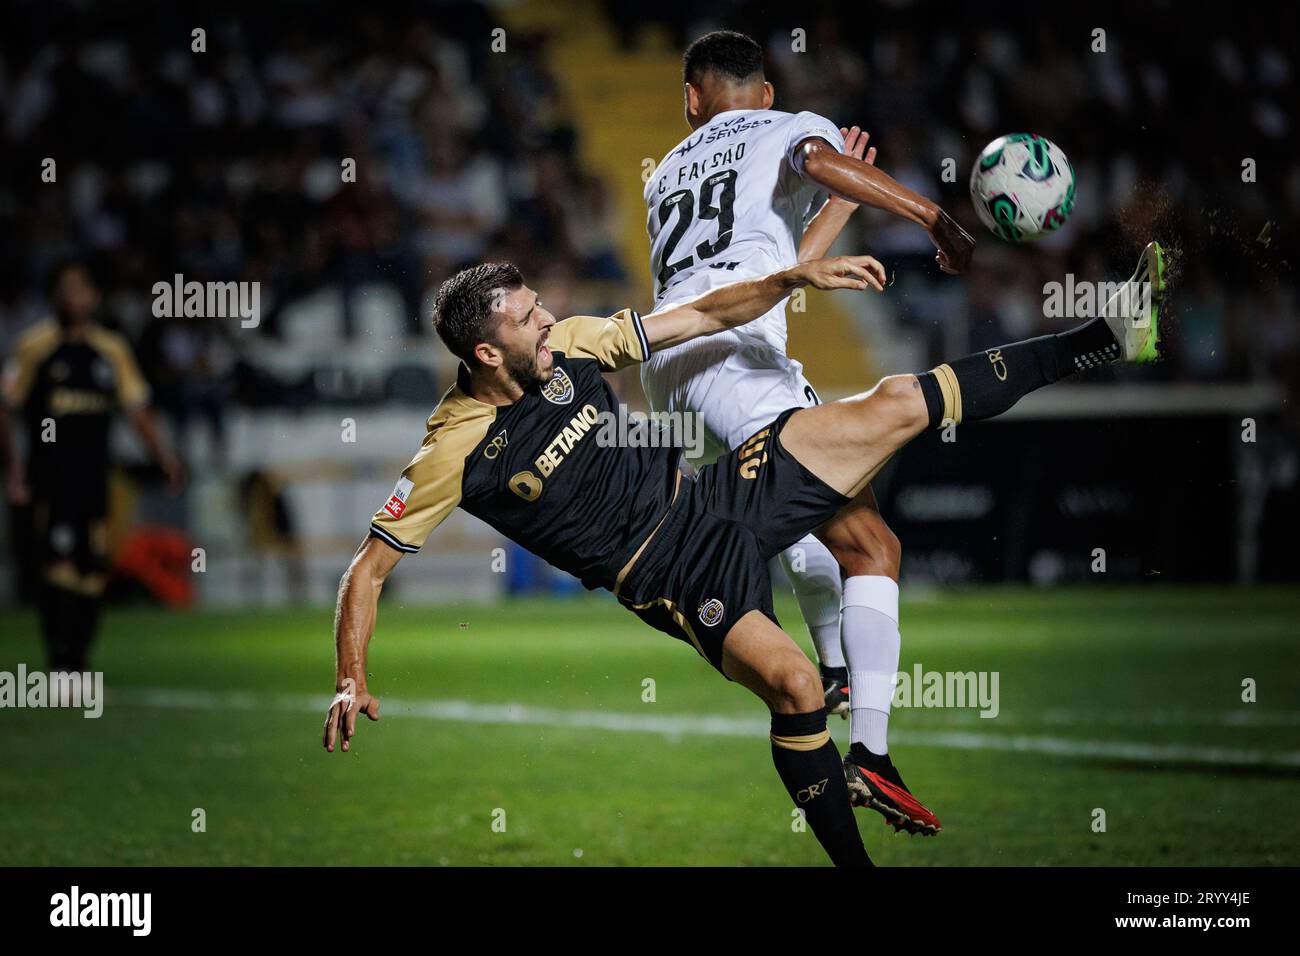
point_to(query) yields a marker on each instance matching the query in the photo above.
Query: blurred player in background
(67, 378)
(731, 202)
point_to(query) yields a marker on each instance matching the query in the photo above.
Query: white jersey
(728, 204)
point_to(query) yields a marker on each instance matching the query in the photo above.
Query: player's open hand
(855, 145)
(955, 244)
(341, 721)
(843, 272)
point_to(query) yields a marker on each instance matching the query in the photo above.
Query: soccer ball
(1022, 186)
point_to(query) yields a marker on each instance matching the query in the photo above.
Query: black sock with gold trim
(988, 383)
(83, 619)
(810, 767)
(54, 606)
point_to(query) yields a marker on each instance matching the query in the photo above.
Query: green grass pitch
(531, 713)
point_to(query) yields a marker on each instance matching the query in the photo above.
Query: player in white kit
(742, 196)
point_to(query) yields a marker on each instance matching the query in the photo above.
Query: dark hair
(464, 304)
(725, 52)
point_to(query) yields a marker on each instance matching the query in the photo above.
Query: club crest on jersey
(559, 390)
(401, 494)
(711, 612)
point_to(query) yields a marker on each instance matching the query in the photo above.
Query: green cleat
(1133, 313)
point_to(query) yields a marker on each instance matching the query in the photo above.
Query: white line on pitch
(681, 725)
(1246, 716)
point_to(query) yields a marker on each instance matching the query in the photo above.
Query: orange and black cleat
(835, 690)
(874, 782)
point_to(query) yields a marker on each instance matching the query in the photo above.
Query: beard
(523, 368)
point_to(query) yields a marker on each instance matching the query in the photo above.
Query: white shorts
(735, 386)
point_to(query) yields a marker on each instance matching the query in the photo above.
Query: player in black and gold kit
(66, 380)
(517, 442)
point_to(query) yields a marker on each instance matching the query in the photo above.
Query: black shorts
(69, 533)
(707, 565)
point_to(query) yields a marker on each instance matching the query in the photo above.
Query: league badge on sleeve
(397, 501)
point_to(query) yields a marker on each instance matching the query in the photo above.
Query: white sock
(815, 575)
(826, 638)
(869, 633)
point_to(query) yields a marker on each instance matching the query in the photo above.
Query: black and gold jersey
(67, 387)
(538, 470)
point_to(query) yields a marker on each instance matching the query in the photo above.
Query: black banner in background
(516, 907)
(1165, 499)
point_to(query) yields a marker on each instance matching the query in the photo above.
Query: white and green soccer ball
(1022, 187)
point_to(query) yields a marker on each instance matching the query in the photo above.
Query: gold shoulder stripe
(32, 348)
(132, 391)
(615, 341)
(431, 486)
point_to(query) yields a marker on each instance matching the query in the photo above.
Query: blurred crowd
(229, 164)
(1158, 114)
(226, 165)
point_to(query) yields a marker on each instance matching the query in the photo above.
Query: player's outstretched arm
(354, 624)
(831, 219)
(742, 302)
(146, 426)
(857, 181)
(16, 489)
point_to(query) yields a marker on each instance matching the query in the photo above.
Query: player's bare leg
(815, 577)
(870, 553)
(846, 443)
(760, 656)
